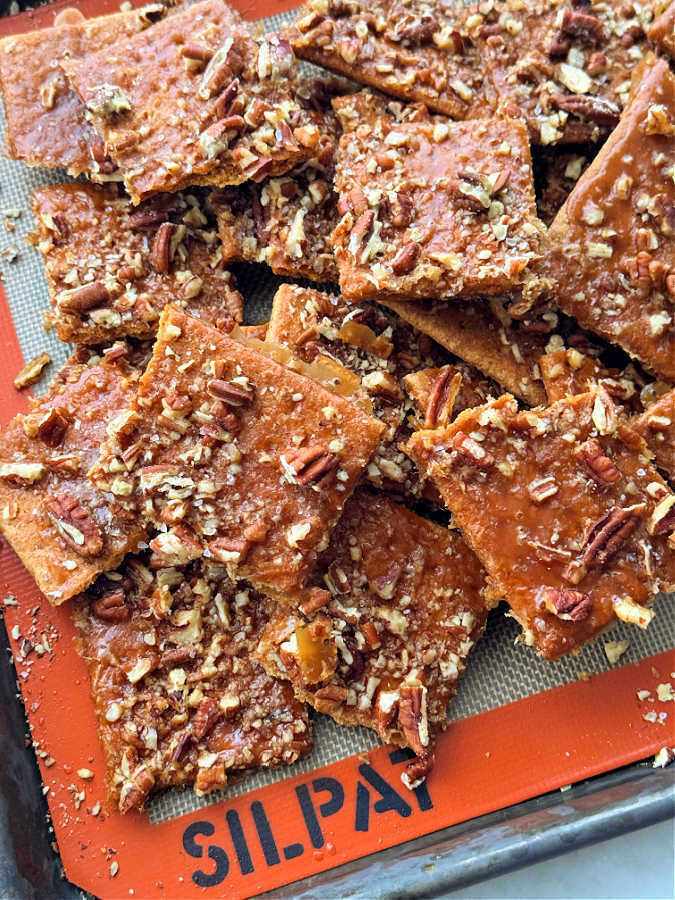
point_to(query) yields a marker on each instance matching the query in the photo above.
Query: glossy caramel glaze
(209, 446)
(380, 348)
(60, 438)
(404, 602)
(86, 235)
(565, 66)
(528, 505)
(662, 32)
(414, 50)
(617, 226)
(163, 107)
(435, 208)
(178, 696)
(46, 120)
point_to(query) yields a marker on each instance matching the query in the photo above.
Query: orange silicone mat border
(307, 823)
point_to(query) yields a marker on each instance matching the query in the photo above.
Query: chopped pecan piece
(442, 398)
(52, 428)
(412, 716)
(607, 535)
(416, 771)
(566, 604)
(471, 451)
(330, 698)
(135, 791)
(599, 467)
(74, 524)
(230, 550)
(311, 465)
(406, 259)
(208, 713)
(593, 109)
(111, 607)
(32, 371)
(231, 393)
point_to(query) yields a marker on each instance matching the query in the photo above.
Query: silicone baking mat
(521, 726)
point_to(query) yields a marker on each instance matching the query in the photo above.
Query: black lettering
(264, 830)
(293, 851)
(421, 792)
(217, 854)
(362, 807)
(239, 841)
(309, 815)
(389, 798)
(327, 808)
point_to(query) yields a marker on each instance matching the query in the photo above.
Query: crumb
(614, 650)
(664, 757)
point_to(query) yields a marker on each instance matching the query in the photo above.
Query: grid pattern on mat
(500, 670)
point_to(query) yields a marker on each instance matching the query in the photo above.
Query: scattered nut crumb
(665, 692)
(32, 371)
(86, 774)
(644, 695)
(614, 650)
(114, 868)
(650, 716)
(664, 757)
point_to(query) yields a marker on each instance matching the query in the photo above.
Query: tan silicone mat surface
(499, 670)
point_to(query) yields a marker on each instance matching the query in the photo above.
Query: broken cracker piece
(64, 530)
(562, 507)
(112, 268)
(178, 696)
(617, 224)
(384, 627)
(234, 456)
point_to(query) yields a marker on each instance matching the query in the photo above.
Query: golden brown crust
(64, 530)
(165, 251)
(253, 464)
(178, 696)
(394, 603)
(482, 333)
(564, 510)
(618, 225)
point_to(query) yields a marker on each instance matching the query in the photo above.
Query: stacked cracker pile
(244, 517)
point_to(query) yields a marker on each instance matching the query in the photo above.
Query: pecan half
(583, 25)
(311, 465)
(400, 210)
(74, 524)
(566, 603)
(160, 256)
(593, 109)
(230, 392)
(362, 226)
(330, 698)
(597, 465)
(442, 398)
(607, 535)
(111, 607)
(406, 259)
(412, 716)
(83, 298)
(208, 713)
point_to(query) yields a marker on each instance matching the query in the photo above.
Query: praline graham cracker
(483, 333)
(416, 51)
(565, 66)
(618, 226)
(179, 698)
(64, 530)
(384, 628)
(435, 208)
(662, 30)
(564, 510)
(195, 99)
(657, 426)
(111, 268)
(379, 348)
(46, 120)
(237, 457)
